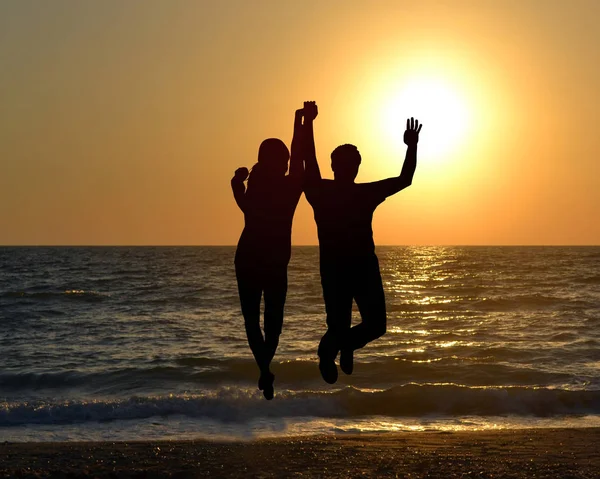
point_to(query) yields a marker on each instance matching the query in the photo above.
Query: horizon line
(82, 245)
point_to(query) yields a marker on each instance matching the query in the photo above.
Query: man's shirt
(344, 213)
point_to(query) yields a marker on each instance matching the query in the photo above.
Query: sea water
(124, 343)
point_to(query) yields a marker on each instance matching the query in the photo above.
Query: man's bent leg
(338, 306)
(370, 299)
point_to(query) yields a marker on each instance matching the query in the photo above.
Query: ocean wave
(69, 294)
(240, 405)
(193, 373)
(33, 381)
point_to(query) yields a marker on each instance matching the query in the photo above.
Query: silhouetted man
(349, 267)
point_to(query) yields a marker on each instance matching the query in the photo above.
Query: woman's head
(273, 158)
(274, 155)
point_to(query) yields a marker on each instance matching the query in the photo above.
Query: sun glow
(434, 103)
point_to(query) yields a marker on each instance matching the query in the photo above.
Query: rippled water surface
(149, 342)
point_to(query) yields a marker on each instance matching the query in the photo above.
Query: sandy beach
(548, 453)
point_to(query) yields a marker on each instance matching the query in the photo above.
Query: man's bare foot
(328, 370)
(347, 360)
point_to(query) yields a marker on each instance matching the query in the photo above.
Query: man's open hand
(411, 135)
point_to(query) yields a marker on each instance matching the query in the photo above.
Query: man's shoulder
(372, 186)
(318, 191)
(366, 185)
(372, 193)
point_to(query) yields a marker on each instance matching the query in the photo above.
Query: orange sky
(122, 122)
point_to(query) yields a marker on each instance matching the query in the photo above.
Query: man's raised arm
(394, 185)
(312, 174)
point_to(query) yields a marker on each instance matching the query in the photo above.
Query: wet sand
(547, 453)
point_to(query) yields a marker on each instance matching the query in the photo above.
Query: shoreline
(552, 453)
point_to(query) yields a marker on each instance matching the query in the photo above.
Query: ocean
(132, 343)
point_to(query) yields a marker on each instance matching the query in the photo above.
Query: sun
(436, 104)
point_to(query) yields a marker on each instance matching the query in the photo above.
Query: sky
(122, 122)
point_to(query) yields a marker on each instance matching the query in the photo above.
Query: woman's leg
(275, 294)
(250, 291)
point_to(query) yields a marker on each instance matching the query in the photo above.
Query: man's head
(345, 160)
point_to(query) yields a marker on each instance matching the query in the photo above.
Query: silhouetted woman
(264, 247)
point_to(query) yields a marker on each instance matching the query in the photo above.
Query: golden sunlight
(443, 112)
